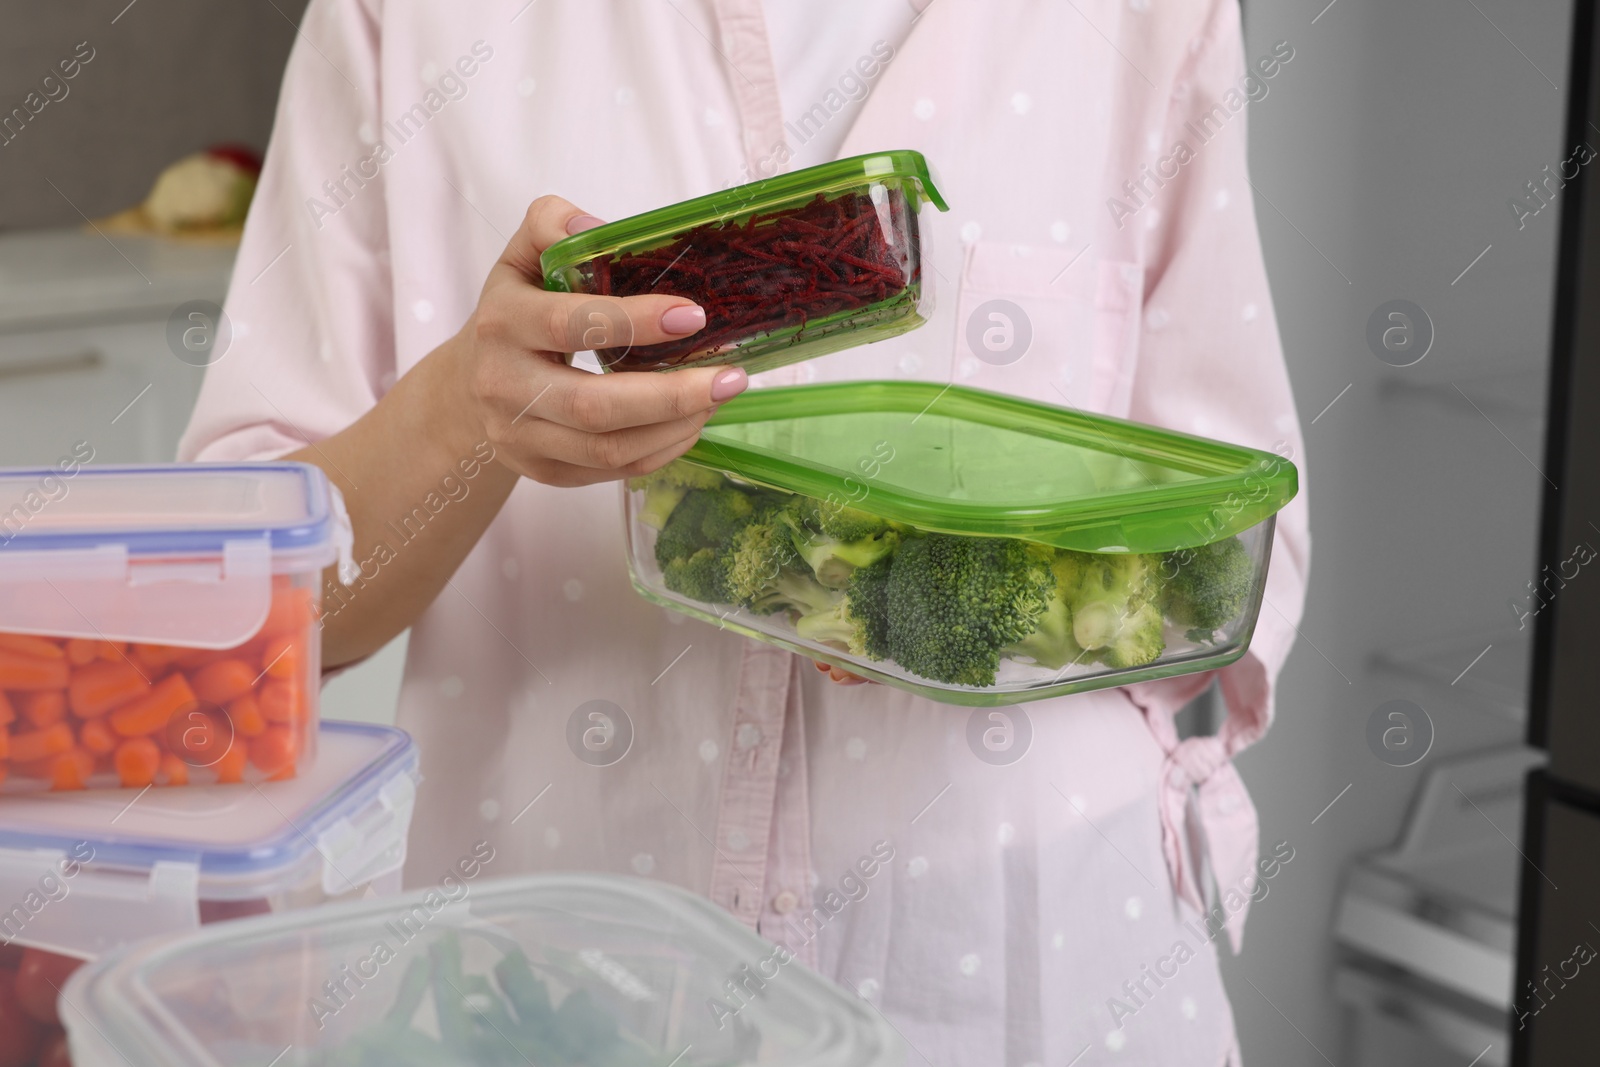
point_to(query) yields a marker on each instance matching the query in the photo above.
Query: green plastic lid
(958, 460)
(768, 194)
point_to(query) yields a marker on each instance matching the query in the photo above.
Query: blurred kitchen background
(1384, 156)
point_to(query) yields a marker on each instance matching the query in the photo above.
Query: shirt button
(785, 902)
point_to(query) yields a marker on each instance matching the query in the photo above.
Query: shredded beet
(769, 272)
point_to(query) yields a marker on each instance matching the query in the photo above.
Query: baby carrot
(112, 650)
(230, 768)
(99, 687)
(282, 701)
(71, 770)
(97, 737)
(5, 746)
(245, 714)
(291, 610)
(43, 707)
(274, 750)
(149, 713)
(217, 683)
(53, 740)
(173, 770)
(28, 645)
(7, 712)
(137, 761)
(157, 657)
(20, 671)
(81, 650)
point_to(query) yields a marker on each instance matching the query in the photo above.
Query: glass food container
(974, 548)
(82, 873)
(158, 625)
(786, 268)
(551, 970)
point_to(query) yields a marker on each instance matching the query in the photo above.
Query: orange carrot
(245, 714)
(28, 645)
(150, 713)
(274, 750)
(225, 680)
(71, 770)
(282, 701)
(100, 687)
(8, 714)
(5, 746)
(230, 768)
(43, 707)
(53, 740)
(157, 657)
(292, 610)
(97, 737)
(112, 650)
(137, 761)
(173, 770)
(283, 657)
(81, 650)
(18, 671)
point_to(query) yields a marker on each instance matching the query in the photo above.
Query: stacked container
(85, 872)
(550, 970)
(158, 625)
(974, 548)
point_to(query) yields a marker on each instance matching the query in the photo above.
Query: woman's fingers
(532, 318)
(612, 450)
(836, 674)
(527, 387)
(569, 475)
(547, 220)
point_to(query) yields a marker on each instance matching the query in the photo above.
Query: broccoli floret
(859, 621)
(1139, 640)
(765, 573)
(955, 602)
(664, 489)
(705, 518)
(726, 513)
(1052, 644)
(1209, 585)
(700, 576)
(1113, 588)
(835, 541)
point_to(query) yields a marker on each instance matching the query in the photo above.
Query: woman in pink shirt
(996, 909)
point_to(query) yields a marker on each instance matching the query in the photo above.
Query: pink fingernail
(729, 384)
(579, 223)
(686, 318)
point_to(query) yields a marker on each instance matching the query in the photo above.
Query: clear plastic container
(82, 873)
(550, 970)
(158, 625)
(974, 548)
(787, 268)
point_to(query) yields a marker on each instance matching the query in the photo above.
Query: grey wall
(168, 78)
(1392, 142)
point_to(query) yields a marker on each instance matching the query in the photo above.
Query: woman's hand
(836, 674)
(556, 424)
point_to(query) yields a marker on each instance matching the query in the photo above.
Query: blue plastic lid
(246, 841)
(164, 509)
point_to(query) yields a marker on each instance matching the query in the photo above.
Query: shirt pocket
(1048, 322)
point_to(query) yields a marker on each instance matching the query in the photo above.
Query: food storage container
(81, 873)
(974, 548)
(552, 970)
(159, 624)
(786, 268)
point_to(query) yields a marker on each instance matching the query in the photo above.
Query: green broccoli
(664, 489)
(765, 573)
(1138, 641)
(859, 620)
(1209, 587)
(955, 602)
(700, 576)
(1113, 589)
(704, 518)
(834, 541)
(1052, 643)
